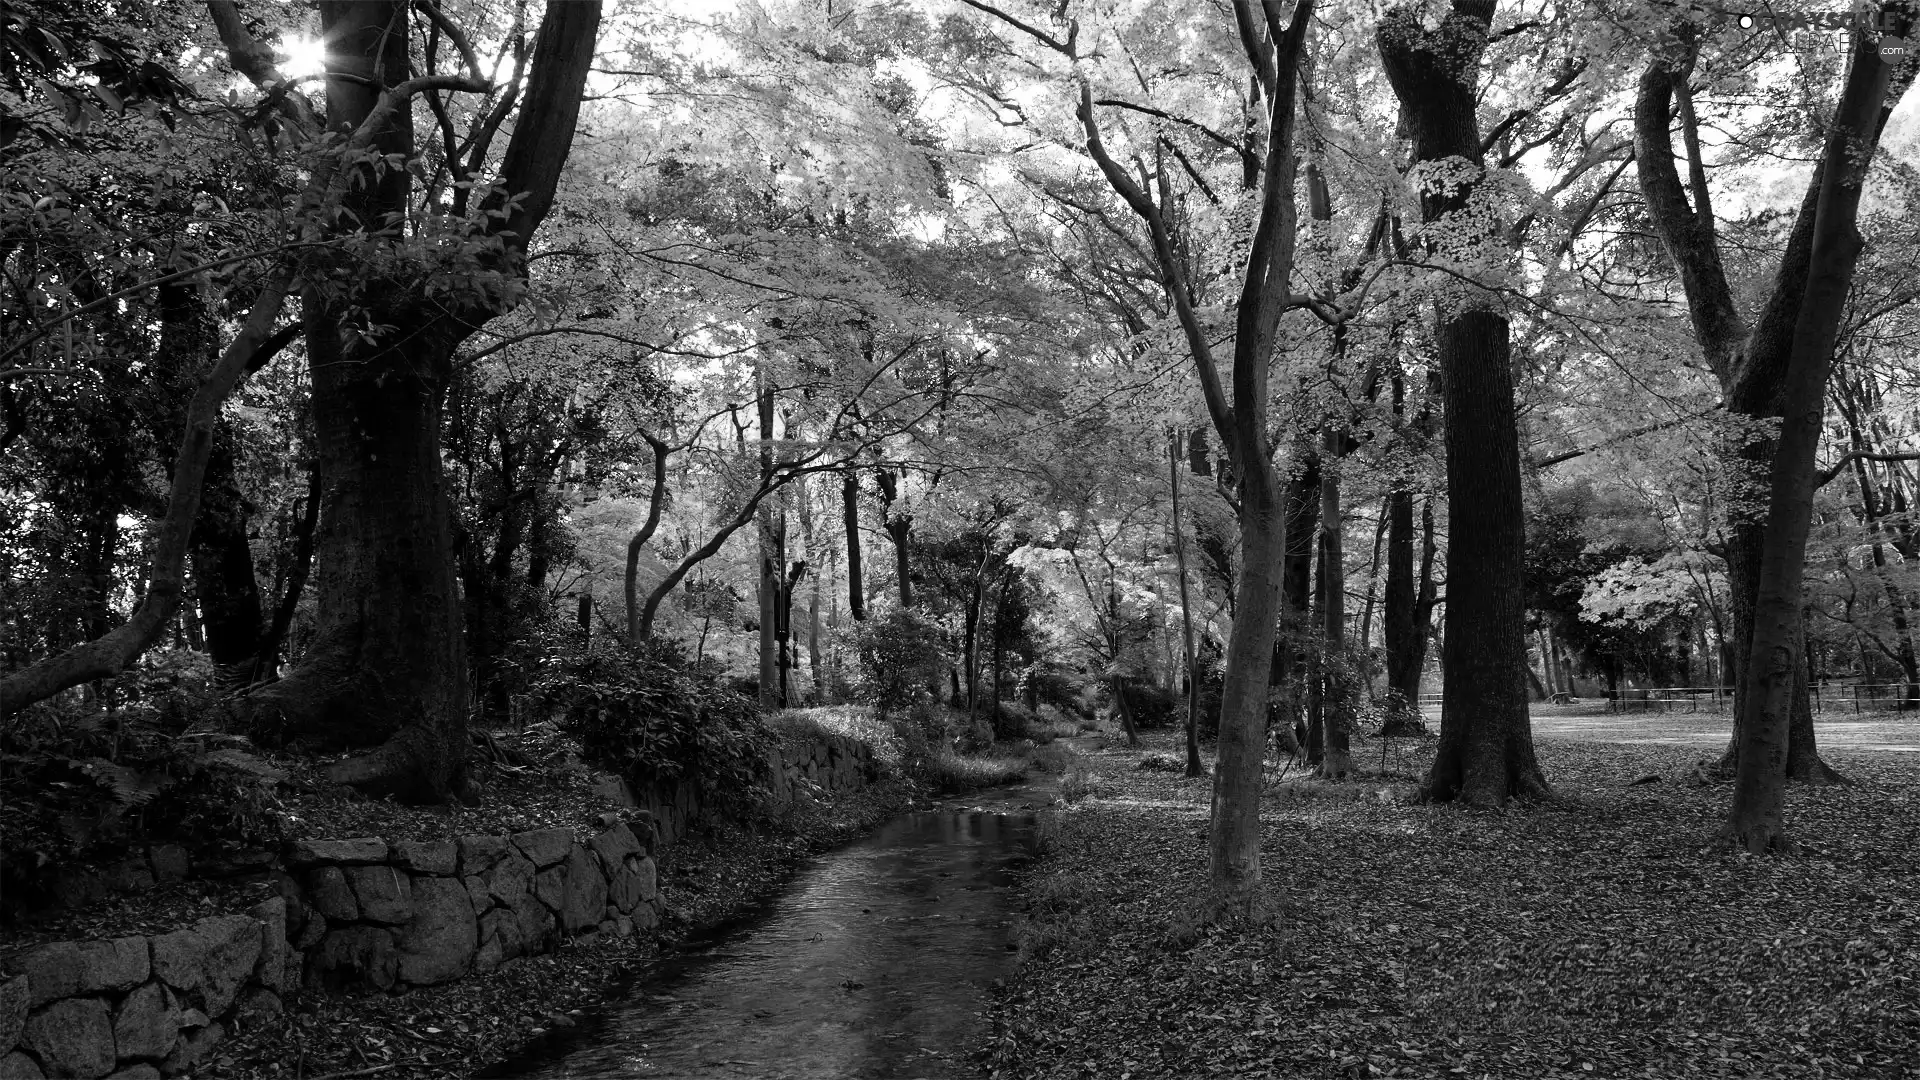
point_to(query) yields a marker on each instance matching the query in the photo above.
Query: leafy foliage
(898, 656)
(650, 713)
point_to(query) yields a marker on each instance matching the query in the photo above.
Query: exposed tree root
(1757, 838)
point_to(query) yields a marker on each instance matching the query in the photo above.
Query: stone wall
(820, 764)
(356, 914)
(138, 1008)
(350, 914)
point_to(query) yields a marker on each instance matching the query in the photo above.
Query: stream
(874, 962)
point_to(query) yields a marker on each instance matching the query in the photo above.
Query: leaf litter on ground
(1605, 935)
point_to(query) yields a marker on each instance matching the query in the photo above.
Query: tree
(386, 671)
(1750, 363)
(1486, 753)
(1756, 820)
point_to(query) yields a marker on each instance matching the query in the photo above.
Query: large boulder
(614, 845)
(147, 1023)
(477, 894)
(119, 964)
(271, 914)
(437, 944)
(354, 956)
(585, 901)
(536, 922)
(501, 928)
(550, 886)
(192, 1049)
(510, 879)
(544, 846)
(625, 890)
(72, 1037)
(437, 857)
(52, 971)
(479, 853)
(649, 880)
(16, 997)
(331, 896)
(18, 1066)
(385, 895)
(213, 958)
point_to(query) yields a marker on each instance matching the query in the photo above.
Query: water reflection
(874, 963)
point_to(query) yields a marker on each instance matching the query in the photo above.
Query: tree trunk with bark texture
(387, 667)
(1750, 363)
(1195, 767)
(1290, 654)
(850, 511)
(1337, 689)
(1486, 752)
(1775, 658)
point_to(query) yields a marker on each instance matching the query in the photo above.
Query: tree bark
(1486, 752)
(1336, 684)
(267, 662)
(1195, 767)
(773, 555)
(850, 510)
(656, 501)
(1290, 651)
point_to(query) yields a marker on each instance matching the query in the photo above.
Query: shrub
(650, 713)
(949, 773)
(898, 656)
(1079, 782)
(1154, 706)
(1160, 761)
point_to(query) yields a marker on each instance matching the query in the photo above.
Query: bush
(650, 713)
(948, 773)
(1155, 707)
(898, 656)
(1079, 782)
(63, 800)
(1160, 761)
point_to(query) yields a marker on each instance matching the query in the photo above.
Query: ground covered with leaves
(1604, 936)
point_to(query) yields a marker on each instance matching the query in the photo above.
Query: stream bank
(875, 961)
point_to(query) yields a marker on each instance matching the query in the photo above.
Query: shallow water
(875, 962)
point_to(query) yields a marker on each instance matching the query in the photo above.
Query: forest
(1270, 428)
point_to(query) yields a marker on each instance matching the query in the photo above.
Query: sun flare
(304, 56)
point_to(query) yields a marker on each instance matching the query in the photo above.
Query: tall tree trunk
(1290, 652)
(1274, 54)
(773, 555)
(850, 510)
(1337, 689)
(1750, 364)
(1486, 752)
(1775, 659)
(1405, 639)
(656, 500)
(223, 574)
(1195, 767)
(900, 527)
(387, 667)
(267, 662)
